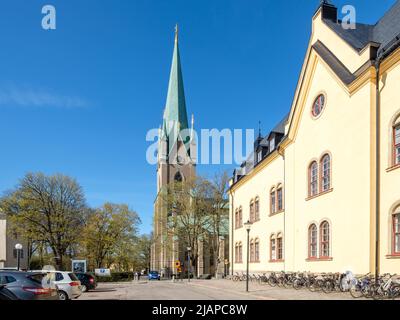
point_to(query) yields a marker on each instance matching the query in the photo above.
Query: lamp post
(18, 248)
(247, 226)
(189, 249)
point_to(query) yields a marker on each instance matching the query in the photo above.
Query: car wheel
(84, 288)
(62, 295)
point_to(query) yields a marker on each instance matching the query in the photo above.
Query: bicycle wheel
(328, 286)
(356, 292)
(297, 284)
(272, 281)
(376, 292)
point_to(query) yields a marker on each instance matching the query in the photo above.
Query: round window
(318, 105)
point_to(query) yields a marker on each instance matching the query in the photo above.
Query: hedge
(117, 277)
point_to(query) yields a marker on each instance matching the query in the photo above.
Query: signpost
(102, 272)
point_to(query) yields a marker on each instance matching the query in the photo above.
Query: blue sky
(79, 100)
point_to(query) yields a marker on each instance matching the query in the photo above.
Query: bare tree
(47, 209)
(187, 207)
(218, 214)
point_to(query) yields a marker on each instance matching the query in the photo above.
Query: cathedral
(177, 157)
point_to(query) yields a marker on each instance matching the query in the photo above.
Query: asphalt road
(201, 290)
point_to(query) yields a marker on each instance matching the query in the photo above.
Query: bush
(117, 277)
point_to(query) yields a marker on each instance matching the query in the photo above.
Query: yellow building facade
(323, 194)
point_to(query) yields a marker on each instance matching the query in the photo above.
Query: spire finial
(176, 32)
(259, 129)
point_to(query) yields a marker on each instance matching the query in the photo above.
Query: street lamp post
(18, 248)
(247, 225)
(189, 249)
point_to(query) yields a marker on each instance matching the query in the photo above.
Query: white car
(67, 283)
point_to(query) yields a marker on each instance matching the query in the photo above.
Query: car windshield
(73, 277)
(37, 277)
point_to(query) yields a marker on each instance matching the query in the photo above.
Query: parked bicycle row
(387, 286)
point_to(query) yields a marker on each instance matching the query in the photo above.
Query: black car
(88, 281)
(26, 286)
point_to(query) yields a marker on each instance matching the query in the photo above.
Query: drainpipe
(377, 172)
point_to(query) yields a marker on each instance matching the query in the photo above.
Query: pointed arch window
(325, 240)
(325, 173)
(312, 241)
(178, 177)
(313, 179)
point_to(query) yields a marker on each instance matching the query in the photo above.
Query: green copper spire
(175, 116)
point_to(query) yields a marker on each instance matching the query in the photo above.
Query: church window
(318, 105)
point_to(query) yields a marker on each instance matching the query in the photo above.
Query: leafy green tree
(109, 234)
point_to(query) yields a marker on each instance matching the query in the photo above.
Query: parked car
(154, 275)
(67, 283)
(88, 281)
(6, 294)
(27, 286)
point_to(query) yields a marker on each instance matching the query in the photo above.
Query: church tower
(177, 156)
(177, 146)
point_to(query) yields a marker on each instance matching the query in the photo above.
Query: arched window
(279, 244)
(312, 241)
(313, 179)
(257, 209)
(396, 142)
(252, 251)
(272, 201)
(237, 218)
(252, 211)
(236, 252)
(396, 232)
(325, 173)
(318, 105)
(257, 250)
(240, 217)
(272, 242)
(178, 177)
(240, 252)
(325, 239)
(279, 196)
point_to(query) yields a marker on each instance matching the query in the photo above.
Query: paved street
(202, 290)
